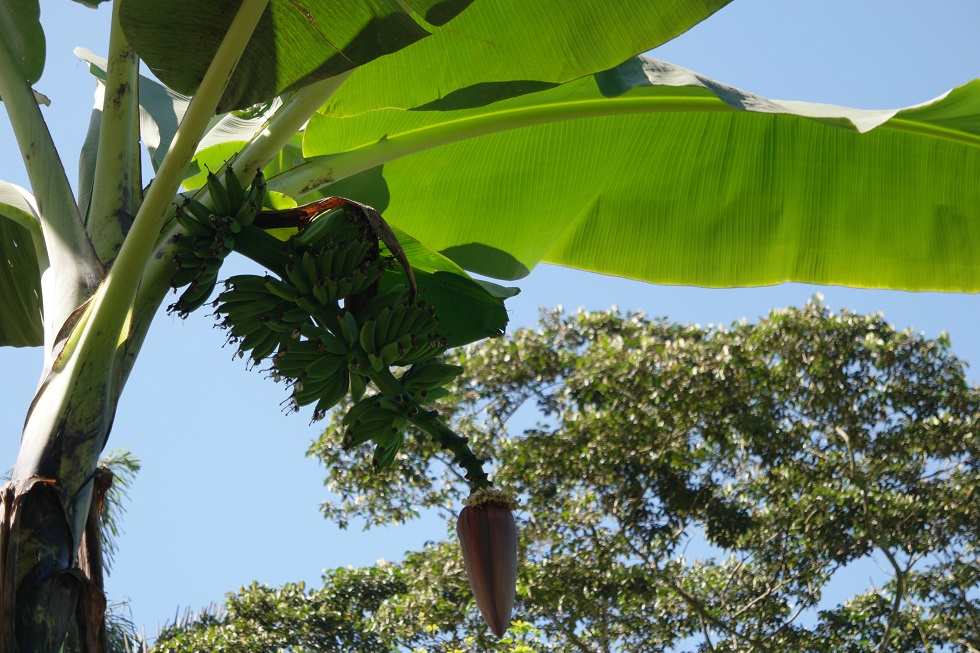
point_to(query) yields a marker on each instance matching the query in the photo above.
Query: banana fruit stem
(262, 248)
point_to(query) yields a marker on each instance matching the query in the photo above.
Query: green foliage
(719, 167)
(124, 467)
(690, 488)
(261, 619)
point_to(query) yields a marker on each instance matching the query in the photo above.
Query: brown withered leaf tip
(488, 537)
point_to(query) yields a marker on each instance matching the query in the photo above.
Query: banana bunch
(263, 318)
(208, 235)
(257, 317)
(426, 381)
(401, 334)
(320, 367)
(379, 419)
(327, 352)
(383, 420)
(335, 257)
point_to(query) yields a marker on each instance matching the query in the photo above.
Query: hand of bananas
(325, 323)
(209, 235)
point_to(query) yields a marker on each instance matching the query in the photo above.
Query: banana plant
(490, 136)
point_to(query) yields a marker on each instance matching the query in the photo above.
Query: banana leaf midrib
(934, 131)
(414, 140)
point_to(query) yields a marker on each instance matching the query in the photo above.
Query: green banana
(288, 364)
(396, 294)
(399, 314)
(266, 347)
(306, 304)
(300, 354)
(363, 409)
(263, 345)
(384, 454)
(295, 275)
(348, 329)
(395, 351)
(196, 294)
(358, 384)
(325, 228)
(197, 210)
(244, 312)
(309, 265)
(192, 226)
(256, 193)
(252, 202)
(242, 328)
(332, 344)
(368, 273)
(424, 321)
(237, 296)
(294, 316)
(246, 213)
(280, 288)
(428, 396)
(184, 276)
(226, 223)
(433, 346)
(375, 430)
(322, 292)
(343, 261)
(326, 365)
(275, 323)
(331, 396)
(382, 326)
(222, 245)
(219, 196)
(342, 287)
(306, 391)
(196, 246)
(233, 187)
(366, 336)
(247, 282)
(429, 376)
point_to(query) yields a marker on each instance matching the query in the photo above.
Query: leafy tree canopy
(683, 488)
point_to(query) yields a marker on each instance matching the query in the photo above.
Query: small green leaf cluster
(260, 619)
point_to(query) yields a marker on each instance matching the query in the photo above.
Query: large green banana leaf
(433, 49)
(653, 172)
(20, 279)
(21, 33)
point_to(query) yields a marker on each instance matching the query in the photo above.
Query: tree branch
(569, 632)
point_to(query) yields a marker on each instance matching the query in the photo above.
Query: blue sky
(226, 495)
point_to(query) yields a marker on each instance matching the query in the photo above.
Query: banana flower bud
(488, 536)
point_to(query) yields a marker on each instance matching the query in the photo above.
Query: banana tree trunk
(46, 507)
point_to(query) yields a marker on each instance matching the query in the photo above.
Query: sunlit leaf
(656, 173)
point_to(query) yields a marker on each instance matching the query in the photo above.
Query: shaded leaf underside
(21, 33)
(438, 47)
(295, 44)
(20, 278)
